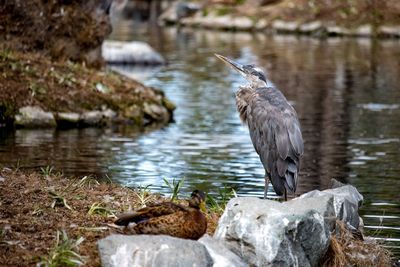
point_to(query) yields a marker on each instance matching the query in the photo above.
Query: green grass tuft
(175, 187)
(65, 252)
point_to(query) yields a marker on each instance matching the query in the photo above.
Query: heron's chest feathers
(243, 98)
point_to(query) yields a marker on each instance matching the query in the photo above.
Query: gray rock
(220, 254)
(261, 24)
(269, 233)
(91, 118)
(390, 31)
(130, 53)
(347, 200)
(285, 26)
(67, 118)
(323, 204)
(364, 31)
(311, 27)
(185, 9)
(155, 111)
(148, 250)
(226, 22)
(336, 30)
(33, 116)
(109, 114)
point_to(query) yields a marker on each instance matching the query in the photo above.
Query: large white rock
(220, 254)
(152, 251)
(130, 53)
(346, 201)
(269, 233)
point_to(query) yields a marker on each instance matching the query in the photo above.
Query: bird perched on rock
(273, 125)
(169, 218)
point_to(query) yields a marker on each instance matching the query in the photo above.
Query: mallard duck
(169, 219)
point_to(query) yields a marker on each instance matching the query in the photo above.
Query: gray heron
(273, 125)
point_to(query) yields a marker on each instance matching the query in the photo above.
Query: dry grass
(29, 222)
(345, 250)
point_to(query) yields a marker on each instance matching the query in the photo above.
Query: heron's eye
(259, 73)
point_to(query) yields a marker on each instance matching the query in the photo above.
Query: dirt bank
(32, 79)
(62, 30)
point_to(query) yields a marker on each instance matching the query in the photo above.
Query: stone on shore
(220, 254)
(34, 117)
(152, 250)
(67, 119)
(269, 233)
(118, 52)
(391, 31)
(346, 201)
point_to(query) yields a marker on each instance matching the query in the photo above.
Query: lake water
(346, 93)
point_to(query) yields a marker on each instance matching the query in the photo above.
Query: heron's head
(198, 199)
(254, 75)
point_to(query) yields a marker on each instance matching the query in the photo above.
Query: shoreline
(38, 92)
(37, 207)
(314, 29)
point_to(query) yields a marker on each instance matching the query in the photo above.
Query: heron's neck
(243, 97)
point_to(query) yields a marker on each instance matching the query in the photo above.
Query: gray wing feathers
(282, 141)
(295, 136)
(277, 139)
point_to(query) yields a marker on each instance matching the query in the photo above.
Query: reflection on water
(346, 93)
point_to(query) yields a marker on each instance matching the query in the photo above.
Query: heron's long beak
(236, 66)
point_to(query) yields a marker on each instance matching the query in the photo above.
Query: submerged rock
(150, 250)
(269, 233)
(118, 52)
(34, 117)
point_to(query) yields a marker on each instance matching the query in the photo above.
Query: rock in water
(118, 52)
(34, 116)
(269, 233)
(148, 250)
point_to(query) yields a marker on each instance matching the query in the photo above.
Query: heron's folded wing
(295, 136)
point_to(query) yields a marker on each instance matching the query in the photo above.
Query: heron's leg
(266, 186)
(285, 195)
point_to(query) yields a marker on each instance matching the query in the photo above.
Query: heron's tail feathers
(291, 177)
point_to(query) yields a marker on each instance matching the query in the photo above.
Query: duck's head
(198, 200)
